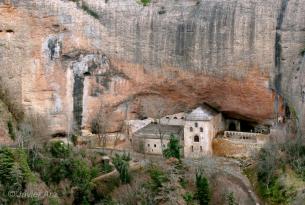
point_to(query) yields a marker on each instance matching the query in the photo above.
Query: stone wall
(235, 148)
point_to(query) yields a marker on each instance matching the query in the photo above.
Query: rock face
(64, 59)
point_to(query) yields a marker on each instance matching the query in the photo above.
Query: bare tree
(100, 124)
(33, 131)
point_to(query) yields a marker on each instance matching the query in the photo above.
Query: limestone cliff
(63, 58)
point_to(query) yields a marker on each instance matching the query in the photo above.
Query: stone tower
(200, 128)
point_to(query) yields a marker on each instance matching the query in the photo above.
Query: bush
(59, 149)
(12, 176)
(145, 2)
(89, 11)
(173, 148)
(202, 186)
(158, 177)
(122, 167)
(188, 198)
(272, 161)
(11, 130)
(231, 199)
(303, 52)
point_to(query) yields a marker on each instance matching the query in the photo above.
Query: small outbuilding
(153, 138)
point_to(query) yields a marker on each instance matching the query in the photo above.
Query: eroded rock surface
(240, 56)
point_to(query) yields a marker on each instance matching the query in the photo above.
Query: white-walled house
(201, 126)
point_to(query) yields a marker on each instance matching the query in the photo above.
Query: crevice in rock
(278, 53)
(78, 89)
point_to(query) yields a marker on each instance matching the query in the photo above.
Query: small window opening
(155, 145)
(192, 149)
(201, 129)
(9, 31)
(200, 148)
(182, 118)
(175, 118)
(196, 124)
(148, 145)
(196, 138)
(167, 117)
(191, 129)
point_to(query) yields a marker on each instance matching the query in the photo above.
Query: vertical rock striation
(237, 55)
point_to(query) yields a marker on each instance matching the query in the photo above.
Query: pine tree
(203, 192)
(173, 148)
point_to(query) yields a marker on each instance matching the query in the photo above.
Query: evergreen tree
(173, 148)
(202, 185)
(122, 167)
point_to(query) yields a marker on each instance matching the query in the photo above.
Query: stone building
(148, 139)
(195, 131)
(201, 126)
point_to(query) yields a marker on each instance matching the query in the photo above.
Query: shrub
(89, 11)
(267, 164)
(122, 167)
(145, 2)
(74, 139)
(60, 150)
(231, 199)
(12, 177)
(158, 177)
(188, 198)
(202, 186)
(11, 130)
(173, 148)
(303, 52)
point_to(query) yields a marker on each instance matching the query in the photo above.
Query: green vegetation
(158, 177)
(11, 130)
(14, 173)
(122, 165)
(188, 198)
(145, 2)
(203, 192)
(303, 52)
(279, 171)
(66, 171)
(173, 148)
(60, 150)
(231, 199)
(89, 11)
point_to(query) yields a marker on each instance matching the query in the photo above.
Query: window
(196, 124)
(155, 145)
(148, 145)
(200, 148)
(191, 129)
(167, 117)
(192, 149)
(182, 118)
(201, 129)
(175, 117)
(196, 138)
